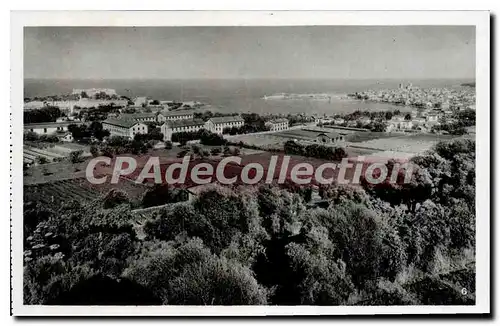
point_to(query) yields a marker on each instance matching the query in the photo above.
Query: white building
(338, 121)
(217, 124)
(432, 117)
(277, 124)
(323, 120)
(124, 128)
(329, 137)
(186, 125)
(166, 115)
(398, 123)
(48, 128)
(66, 137)
(140, 117)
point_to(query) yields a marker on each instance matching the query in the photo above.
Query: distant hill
(473, 84)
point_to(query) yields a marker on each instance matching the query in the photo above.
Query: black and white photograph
(176, 166)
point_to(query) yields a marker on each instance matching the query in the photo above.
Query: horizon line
(252, 78)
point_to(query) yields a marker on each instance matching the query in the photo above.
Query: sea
(243, 95)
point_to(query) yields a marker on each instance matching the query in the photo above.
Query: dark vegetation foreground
(384, 245)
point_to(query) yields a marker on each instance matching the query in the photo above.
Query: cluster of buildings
(444, 98)
(170, 122)
(60, 129)
(278, 124)
(422, 120)
(418, 120)
(128, 125)
(180, 117)
(71, 107)
(326, 136)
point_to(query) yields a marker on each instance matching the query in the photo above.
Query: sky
(333, 52)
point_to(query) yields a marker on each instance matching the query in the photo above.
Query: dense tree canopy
(265, 245)
(45, 114)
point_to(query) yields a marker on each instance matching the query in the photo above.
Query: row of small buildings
(132, 124)
(178, 121)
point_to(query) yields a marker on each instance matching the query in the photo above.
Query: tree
(94, 151)
(45, 114)
(321, 280)
(359, 238)
(342, 193)
(76, 156)
(378, 127)
(95, 129)
(229, 214)
(41, 160)
(215, 151)
(236, 151)
(187, 273)
(30, 136)
(115, 198)
(108, 151)
(71, 245)
(208, 284)
(161, 194)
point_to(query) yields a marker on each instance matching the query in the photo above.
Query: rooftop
(141, 115)
(177, 112)
(124, 123)
(51, 124)
(281, 120)
(185, 123)
(227, 119)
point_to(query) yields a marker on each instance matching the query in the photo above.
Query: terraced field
(31, 151)
(30, 154)
(59, 192)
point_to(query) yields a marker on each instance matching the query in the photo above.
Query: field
(299, 134)
(276, 139)
(51, 152)
(359, 137)
(408, 144)
(59, 192)
(260, 140)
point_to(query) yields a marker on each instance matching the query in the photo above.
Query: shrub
(30, 136)
(94, 151)
(42, 160)
(215, 151)
(188, 274)
(162, 194)
(114, 198)
(76, 156)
